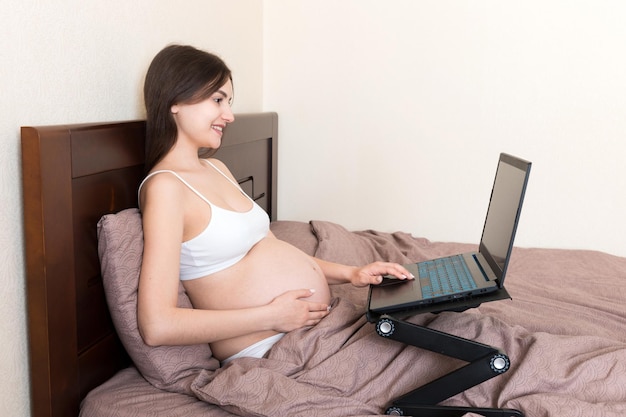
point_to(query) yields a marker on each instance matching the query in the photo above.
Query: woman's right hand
(293, 311)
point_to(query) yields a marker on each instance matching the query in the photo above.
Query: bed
(564, 328)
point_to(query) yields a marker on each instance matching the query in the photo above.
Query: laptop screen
(503, 213)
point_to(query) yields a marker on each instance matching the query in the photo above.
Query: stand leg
(457, 381)
(450, 411)
(484, 362)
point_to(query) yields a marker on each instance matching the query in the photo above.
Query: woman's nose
(228, 115)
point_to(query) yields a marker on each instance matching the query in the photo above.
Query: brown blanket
(564, 332)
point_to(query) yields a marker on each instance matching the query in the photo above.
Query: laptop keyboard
(445, 276)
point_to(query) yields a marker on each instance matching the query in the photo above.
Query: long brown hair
(177, 74)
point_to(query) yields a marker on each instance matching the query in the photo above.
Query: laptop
(464, 280)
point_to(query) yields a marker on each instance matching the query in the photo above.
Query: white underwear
(257, 350)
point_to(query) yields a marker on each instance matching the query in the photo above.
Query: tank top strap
(181, 180)
(228, 178)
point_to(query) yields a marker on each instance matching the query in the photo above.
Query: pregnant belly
(271, 268)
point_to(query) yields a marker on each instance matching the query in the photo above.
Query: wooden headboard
(73, 175)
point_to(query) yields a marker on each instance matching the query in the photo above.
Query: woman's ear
(174, 109)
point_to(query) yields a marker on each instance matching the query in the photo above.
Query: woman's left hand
(373, 273)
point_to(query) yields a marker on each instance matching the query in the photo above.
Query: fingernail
(328, 308)
(312, 290)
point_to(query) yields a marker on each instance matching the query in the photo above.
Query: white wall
(83, 61)
(384, 104)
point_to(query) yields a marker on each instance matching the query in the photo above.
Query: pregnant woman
(247, 287)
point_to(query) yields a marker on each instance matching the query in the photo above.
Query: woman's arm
(361, 276)
(183, 326)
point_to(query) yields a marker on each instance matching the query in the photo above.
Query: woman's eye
(222, 100)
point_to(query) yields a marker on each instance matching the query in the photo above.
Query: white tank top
(227, 238)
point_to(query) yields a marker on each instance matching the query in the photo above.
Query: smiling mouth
(218, 128)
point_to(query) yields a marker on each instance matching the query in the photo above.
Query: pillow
(120, 247)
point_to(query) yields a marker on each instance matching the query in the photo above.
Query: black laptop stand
(484, 363)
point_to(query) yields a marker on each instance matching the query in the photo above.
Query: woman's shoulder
(161, 178)
(162, 184)
(161, 199)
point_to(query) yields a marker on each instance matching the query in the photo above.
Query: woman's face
(202, 123)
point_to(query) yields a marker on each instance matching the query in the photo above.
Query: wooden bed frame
(73, 175)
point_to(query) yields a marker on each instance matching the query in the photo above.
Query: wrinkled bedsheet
(564, 331)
